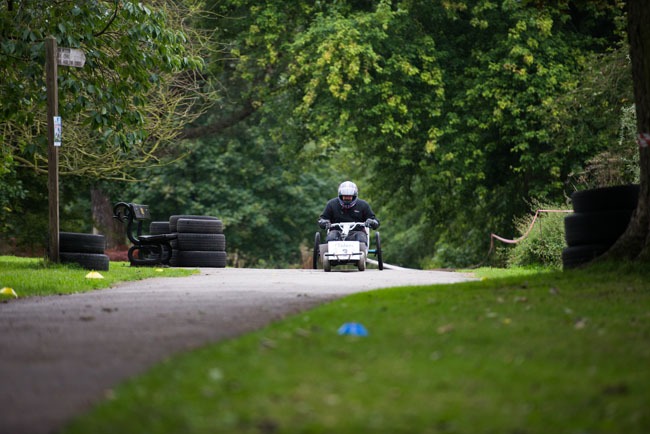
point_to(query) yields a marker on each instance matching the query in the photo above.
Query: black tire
(327, 265)
(89, 261)
(578, 255)
(157, 228)
(173, 261)
(606, 198)
(73, 242)
(380, 259)
(316, 250)
(173, 220)
(595, 228)
(199, 226)
(201, 259)
(361, 265)
(202, 242)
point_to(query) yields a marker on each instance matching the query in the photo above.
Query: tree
(448, 109)
(139, 86)
(453, 106)
(459, 113)
(635, 242)
(267, 202)
(122, 111)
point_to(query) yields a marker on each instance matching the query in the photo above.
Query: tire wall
(600, 217)
(85, 250)
(200, 242)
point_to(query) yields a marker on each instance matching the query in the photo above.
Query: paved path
(61, 354)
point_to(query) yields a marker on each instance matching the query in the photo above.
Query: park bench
(146, 249)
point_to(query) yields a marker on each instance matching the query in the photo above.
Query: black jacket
(335, 213)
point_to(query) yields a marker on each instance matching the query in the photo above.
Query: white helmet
(348, 188)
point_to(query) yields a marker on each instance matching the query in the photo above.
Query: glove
(372, 223)
(324, 223)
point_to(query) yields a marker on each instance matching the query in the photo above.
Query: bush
(544, 243)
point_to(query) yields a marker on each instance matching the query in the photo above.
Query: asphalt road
(60, 355)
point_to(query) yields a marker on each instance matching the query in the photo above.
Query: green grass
(32, 276)
(540, 353)
(500, 273)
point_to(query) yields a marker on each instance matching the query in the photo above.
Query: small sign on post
(71, 57)
(58, 131)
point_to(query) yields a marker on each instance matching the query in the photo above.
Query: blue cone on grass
(353, 329)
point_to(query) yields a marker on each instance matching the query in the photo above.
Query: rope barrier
(516, 240)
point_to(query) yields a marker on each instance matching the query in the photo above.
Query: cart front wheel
(327, 266)
(361, 265)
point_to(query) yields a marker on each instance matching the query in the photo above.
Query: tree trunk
(103, 220)
(635, 242)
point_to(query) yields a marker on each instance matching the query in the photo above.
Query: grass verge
(32, 276)
(555, 352)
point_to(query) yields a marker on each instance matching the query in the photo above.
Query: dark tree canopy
(453, 117)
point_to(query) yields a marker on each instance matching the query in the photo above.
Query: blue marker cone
(353, 329)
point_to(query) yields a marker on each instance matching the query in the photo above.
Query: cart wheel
(327, 266)
(380, 260)
(361, 265)
(316, 250)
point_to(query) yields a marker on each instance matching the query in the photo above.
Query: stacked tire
(600, 217)
(159, 228)
(86, 250)
(200, 241)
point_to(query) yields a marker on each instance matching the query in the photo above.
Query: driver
(347, 207)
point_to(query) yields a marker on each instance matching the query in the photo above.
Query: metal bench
(147, 249)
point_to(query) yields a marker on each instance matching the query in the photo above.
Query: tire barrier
(210, 259)
(200, 241)
(85, 250)
(159, 228)
(600, 217)
(577, 255)
(173, 220)
(602, 227)
(199, 226)
(618, 197)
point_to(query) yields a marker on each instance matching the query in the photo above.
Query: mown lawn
(554, 352)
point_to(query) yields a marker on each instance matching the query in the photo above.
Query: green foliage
(24, 218)
(360, 81)
(268, 204)
(457, 114)
(452, 105)
(453, 115)
(543, 241)
(619, 163)
(498, 148)
(121, 111)
(12, 193)
(134, 52)
(370, 81)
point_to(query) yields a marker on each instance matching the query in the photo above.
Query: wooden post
(53, 151)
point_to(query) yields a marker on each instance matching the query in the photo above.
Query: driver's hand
(371, 223)
(324, 223)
